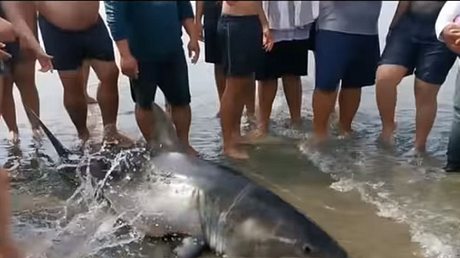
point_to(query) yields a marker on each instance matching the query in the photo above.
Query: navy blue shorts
(412, 43)
(212, 48)
(70, 48)
(288, 57)
(241, 41)
(171, 76)
(349, 58)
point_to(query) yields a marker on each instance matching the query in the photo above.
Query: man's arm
(6, 31)
(187, 18)
(267, 40)
(14, 14)
(449, 11)
(199, 7)
(262, 17)
(403, 7)
(116, 11)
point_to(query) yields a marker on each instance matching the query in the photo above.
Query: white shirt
(290, 20)
(448, 13)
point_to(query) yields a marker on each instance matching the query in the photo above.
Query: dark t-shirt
(153, 28)
(427, 10)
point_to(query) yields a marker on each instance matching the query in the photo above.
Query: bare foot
(90, 100)
(37, 134)
(14, 137)
(120, 140)
(84, 137)
(191, 151)
(236, 153)
(387, 137)
(251, 120)
(112, 136)
(256, 136)
(420, 148)
(345, 134)
(296, 124)
(241, 139)
(317, 140)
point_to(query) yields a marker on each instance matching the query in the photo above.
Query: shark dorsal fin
(62, 151)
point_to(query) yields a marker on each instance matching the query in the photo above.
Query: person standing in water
(7, 247)
(244, 33)
(206, 20)
(148, 37)
(21, 71)
(448, 31)
(290, 23)
(346, 53)
(73, 32)
(412, 47)
(7, 35)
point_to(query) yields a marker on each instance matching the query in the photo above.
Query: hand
(45, 61)
(451, 36)
(267, 40)
(448, 33)
(9, 250)
(193, 50)
(199, 30)
(3, 54)
(129, 66)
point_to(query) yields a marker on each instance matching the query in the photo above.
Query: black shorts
(241, 41)
(285, 58)
(171, 76)
(70, 48)
(6, 66)
(212, 48)
(413, 44)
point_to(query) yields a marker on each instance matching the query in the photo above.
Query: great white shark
(214, 207)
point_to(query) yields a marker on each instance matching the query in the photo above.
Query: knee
(386, 78)
(142, 109)
(111, 76)
(425, 93)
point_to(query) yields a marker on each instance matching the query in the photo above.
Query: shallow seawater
(376, 203)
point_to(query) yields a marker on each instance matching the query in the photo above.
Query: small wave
(437, 233)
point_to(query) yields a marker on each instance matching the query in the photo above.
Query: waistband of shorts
(42, 20)
(229, 17)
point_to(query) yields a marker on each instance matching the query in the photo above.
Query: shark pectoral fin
(191, 247)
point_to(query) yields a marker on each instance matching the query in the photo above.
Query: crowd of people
(249, 43)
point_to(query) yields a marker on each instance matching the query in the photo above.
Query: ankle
(110, 129)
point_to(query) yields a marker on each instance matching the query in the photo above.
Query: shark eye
(306, 249)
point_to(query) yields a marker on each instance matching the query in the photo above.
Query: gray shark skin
(215, 207)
